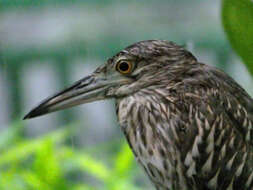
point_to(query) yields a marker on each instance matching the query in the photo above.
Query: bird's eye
(124, 67)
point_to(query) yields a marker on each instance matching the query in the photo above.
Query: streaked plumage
(189, 125)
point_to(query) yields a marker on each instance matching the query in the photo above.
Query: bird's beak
(85, 90)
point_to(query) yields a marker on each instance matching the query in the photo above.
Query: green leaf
(25, 148)
(33, 181)
(47, 165)
(237, 17)
(82, 187)
(124, 161)
(96, 168)
(88, 164)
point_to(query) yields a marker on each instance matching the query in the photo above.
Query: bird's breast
(144, 126)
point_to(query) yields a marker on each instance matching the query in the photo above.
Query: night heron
(188, 124)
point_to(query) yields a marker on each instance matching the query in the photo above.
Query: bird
(188, 124)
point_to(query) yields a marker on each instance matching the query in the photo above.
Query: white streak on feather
(199, 125)
(195, 149)
(232, 141)
(230, 162)
(249, 181)
(207, 125)
(209, 109)
(238, 113)
(210, 140)
(218, 142)
(207, 167)
(213, 182)
(191, 170)
(245, 122)
(188, 160)
(229, 104)
(230, 187)
(223, 151)
(172, 127)
(248, 135)
(240, 168)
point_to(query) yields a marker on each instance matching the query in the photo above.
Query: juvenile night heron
(189, 125)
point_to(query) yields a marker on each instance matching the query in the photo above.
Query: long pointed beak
(85, 90)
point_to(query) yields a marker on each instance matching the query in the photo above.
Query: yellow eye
(124, 67)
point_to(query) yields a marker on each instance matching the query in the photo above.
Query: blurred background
(47, 45)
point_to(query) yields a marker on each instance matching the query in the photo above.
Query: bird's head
(136, 67)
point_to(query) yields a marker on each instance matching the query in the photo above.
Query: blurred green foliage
(48, 163)
(237, 17)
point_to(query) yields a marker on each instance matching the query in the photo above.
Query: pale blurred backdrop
(47, 45)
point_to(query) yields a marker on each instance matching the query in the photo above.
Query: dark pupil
(124, 66)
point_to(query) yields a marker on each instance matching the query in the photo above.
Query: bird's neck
(130, 107)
